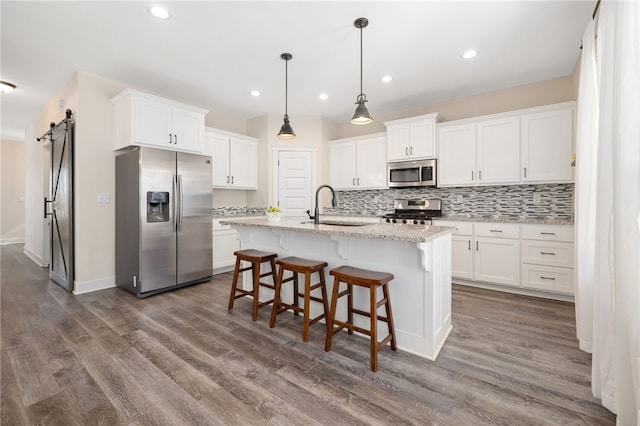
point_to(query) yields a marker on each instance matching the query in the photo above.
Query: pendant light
(286, 132)
(361, 116)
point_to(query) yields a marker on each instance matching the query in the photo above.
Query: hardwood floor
(182, 358)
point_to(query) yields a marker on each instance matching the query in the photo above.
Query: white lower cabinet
(225, 243)
(497, 261)
(497, 253)
(547, 258)
(529, 257)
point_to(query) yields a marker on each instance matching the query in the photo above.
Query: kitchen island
(418, 256)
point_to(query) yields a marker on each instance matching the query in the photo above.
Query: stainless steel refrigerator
(163, 220)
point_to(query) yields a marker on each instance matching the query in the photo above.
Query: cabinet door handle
(495, 230)
(547, 278)
(547, 253)
(469, 244)
(232, 180)
(227, 179)
(175, 139)
(353, 181)
(547, 233)
(471, 174)
(476, 246)
(411, 150)
(358, 180)
(406, 151)
(170, 135)
(525, 172)
(479, 174)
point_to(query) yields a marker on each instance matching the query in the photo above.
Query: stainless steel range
(414, 211)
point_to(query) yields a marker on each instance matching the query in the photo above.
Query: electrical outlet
(536, 199)
(376, 199)
(103, 197)
(458, 198)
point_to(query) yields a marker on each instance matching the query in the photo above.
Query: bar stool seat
(298, 265)
(256, 258)
(372, 280)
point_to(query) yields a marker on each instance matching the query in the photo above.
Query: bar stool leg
(325, 304)
(374, 327)
(307, 295)
(256, 288)
(392, 329)
(276, 298)
(332, 314)
(350, 307)
(234, 284)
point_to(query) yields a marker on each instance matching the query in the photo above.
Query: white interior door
(295, 191)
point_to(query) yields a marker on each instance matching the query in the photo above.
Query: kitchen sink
(338, 223)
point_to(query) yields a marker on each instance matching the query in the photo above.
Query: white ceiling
(212, 54)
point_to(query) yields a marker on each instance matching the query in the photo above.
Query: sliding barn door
(59, 205)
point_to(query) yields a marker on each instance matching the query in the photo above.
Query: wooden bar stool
(371, 280)
(307, 267)
(256, 258)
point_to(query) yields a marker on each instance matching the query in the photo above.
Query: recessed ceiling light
(159, 12)
(469, 54)
(386, 79)
(6, 87)
(255, 93)
(323, 96)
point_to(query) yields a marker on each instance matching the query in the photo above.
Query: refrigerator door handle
(181, 203)
(174, 191)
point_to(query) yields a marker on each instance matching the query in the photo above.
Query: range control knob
(404, 220)
(388, 220)
(422, 222)
(394, 221)
(415, 221)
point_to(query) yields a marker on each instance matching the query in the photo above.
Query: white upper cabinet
(457, 155)
(235, 159)
(547, 146)
(412, 138)
(147, 120)
(526, 146)
(358, 163)
(498, 151)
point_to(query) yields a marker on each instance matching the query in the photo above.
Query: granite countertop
(502, 219)
(383, 231)
(236, 216)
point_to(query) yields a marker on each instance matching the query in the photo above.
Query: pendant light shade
(286, 131)
(361, 116)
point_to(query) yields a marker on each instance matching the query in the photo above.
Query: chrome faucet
(316, 213)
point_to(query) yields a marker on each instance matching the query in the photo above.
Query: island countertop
(383, 231)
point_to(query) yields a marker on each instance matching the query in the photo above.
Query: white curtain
(608, 209)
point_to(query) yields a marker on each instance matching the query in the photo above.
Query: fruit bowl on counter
(273, 214)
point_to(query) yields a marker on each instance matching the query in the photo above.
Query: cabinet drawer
(548, 232)
(501, 230)
(547, 253)
(549, 278)
(461, 228)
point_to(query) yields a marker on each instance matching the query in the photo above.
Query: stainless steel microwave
(412, 173)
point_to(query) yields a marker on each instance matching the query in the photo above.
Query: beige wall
(12, 191)
(527, 96)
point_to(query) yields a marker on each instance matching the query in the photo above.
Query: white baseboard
(36, 258)
(11, 241)
(515, 290)
(83, 287)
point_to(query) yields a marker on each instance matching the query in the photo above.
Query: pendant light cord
(286, 86)
(360, 61)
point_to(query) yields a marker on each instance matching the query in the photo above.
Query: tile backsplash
(512, 201)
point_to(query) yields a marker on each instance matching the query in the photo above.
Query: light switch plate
(103, 197)
(536, 198)
(459, 198)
